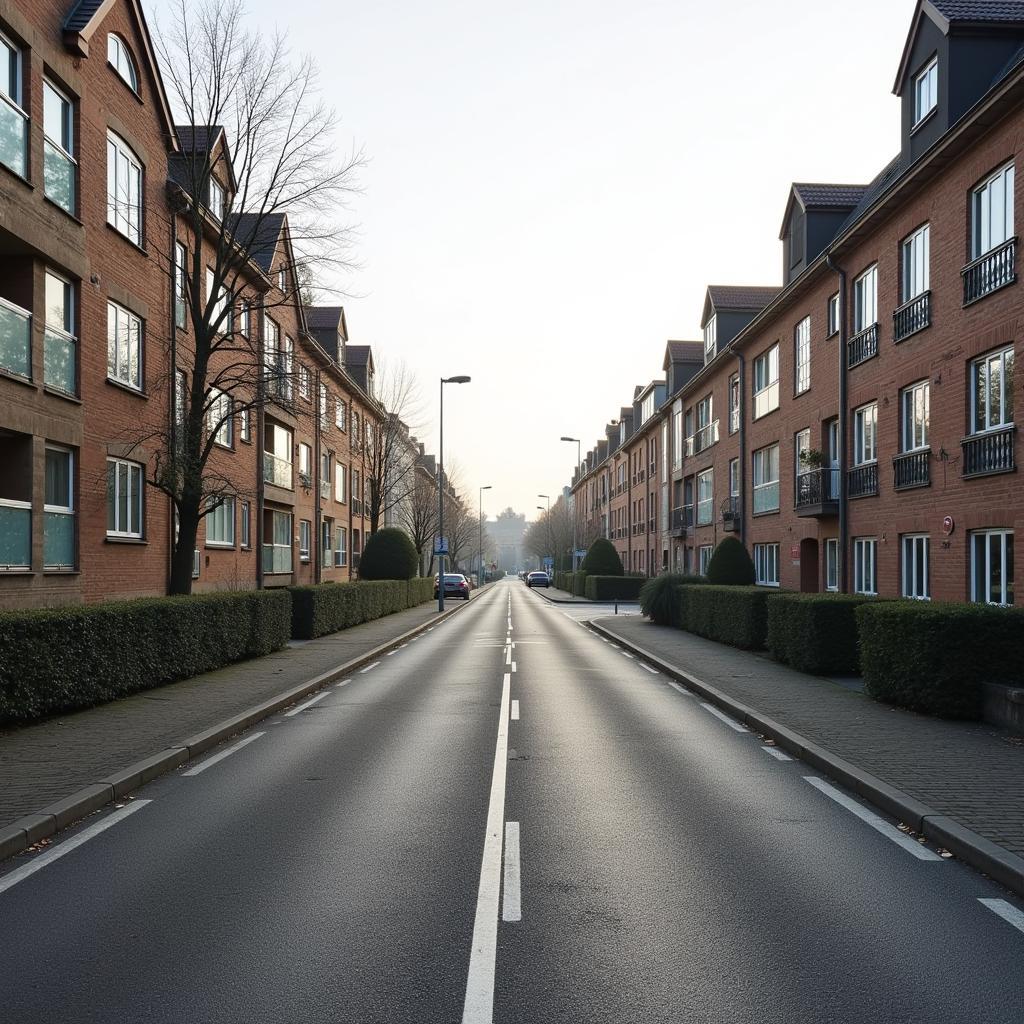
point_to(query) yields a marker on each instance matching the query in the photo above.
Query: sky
(551, 186)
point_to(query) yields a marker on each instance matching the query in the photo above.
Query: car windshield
(453, 579)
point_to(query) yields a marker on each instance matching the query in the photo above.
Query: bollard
(616, 606)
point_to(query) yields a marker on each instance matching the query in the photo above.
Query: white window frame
(734, 478)
(865, 434)
(245, 425)
(915, 556)
(63, 331)
(180, 283)
(220, 525)
(983, 367)
(992, 211)
(704, 553)
(305, 536)
(120, 58)
(832, 564)
(341, 548)
(766, 565)
(124, 189)
(339, 482)
(217, 194)
(12, 93)
(67, 508)
(766, 382)
(915, 416)
(136, 491)
(327, 543)
(833, 314)
(914, 263)
(1005, 585)
(304, 381)
(710, 338)
(705, 487)
(865, 566)
(65, 145)
(865, 299)
(802, 356)
(245, 524)
(801, 443)
(339, 413)
(124, 333)
(926, 90)
(220, 420)
(734, 403)
(305, 458)
(764, 484)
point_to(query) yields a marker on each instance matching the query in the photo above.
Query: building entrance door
(809, 579)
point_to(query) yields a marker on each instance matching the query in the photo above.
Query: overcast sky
(552, 185)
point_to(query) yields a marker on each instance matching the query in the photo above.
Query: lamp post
(480, 523)
(462, 379)
(547, 524)
(579, 459)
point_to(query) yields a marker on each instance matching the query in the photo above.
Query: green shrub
(602, 559)
(816, 633)
(731, 565)
(731, 615)
(389, 554)
(327, 607)
(659, 600)
(934, 657)
(64, 659)
(613, 588)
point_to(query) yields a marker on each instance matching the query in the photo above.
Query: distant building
(507, 532)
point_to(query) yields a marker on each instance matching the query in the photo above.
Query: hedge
(935, 657)
(816, 633)
(731, 615)
(388, 554)
(613, 588)
(731, 565)
(659, 597)
(327, 607)
(64, 659)
(602, 559)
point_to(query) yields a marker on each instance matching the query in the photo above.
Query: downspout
(742, 503)
(173, 405)
(315, 541)
(844, 526)
(261, 427)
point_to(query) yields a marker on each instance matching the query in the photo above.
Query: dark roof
(684, 352)
(980, 10)
(259, 234)
(626, 412)
(882, 181)
(324, 318)
(81, 14)
(196, 138)
(741, 297)
(823, 196)
(357, 355)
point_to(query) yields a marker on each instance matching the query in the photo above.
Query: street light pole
(480, 523)
(579, 459)
(440, 489)
(547, 525)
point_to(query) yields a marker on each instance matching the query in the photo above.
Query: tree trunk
(184, 550)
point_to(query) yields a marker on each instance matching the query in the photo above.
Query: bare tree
(551, 534)
(418, 515)
(460, 528)
(258, 171)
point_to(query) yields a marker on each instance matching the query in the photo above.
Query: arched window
(120, 57)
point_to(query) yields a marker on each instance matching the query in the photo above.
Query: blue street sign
(440, 545)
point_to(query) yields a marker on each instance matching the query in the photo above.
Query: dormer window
(282, 279)
(216, 204)
(120, 60)
(926, 91)
(710, 338)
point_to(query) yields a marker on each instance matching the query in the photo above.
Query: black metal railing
(862, 346)
(912, 469)
(682, 520)
(991, 452)
(731, 512)
(994, 270)
(912, 316)
(817, 487)
(863, 480)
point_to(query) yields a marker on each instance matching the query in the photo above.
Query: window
(305, 534)
(216, 204)
(865, 565)
(647, 408)
(326, 461)
(339, 483)
(992, 566)
(245, 425)
(734, 403)
(832, 563)
(326, 547)
(180, 283)
(180, 400)
(802, 352)
(915, 263)
(914, 411)
(324, 408)
(705, 497)
(277, 455)
(766, 382)
(277, 553)
(865, 300)
(282, 279)
(339, 414)
(833, 315)
(124, 189)
(677, 439)
(992, 212)
(124, 346)
(704, 553)
(219, 420)
(60, 347)
(801, 444)
(305, 458)
(992, 391)
(243, 319)
(766, 479)
(59, 510)
(220, 524)
(341, 547)
(121, 60)
(58, 147)
(244, 525)
(734, 479)
(926, 95)
(218, 303)
(304, 381)
(915, 567)
(13, 117)
(865, 434)
(124, 498)
(766, 565)
(710, 338)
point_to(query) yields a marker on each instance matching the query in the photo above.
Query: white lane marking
(211, 761)
(605, 639)
(515, 711)
(479, 1004)
(302, 707)
(731, 722)
(508, 655)
(513, 666)
(511, 903)
(1007, 911)
(430, 629)
(40, 862)
(626, 654)
(615, 647)
(344, 682)
(388, 655)
(776, 753)
(872, 819)
(368, 667)
(404, 645)
(676, 686)
(653, 671)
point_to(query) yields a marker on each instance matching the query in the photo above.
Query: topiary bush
(731, 615)
(389, 554)
(934, 657)
(731, 565)
(328, 607)
(659, 600)
(612, 588)
(602, 559)
(816, 633)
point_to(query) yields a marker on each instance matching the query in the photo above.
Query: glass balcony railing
(59, 177)
(13, 136)
(277, 558)
(277, 471)
(60, 359)
(15, 534)
(15, 339)
(59, 540)
(766, 497)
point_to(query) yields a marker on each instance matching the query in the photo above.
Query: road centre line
(508, 655)
(56, 852)
(732, 723)
(777, 754)
(515, 711)
(512, 667)
(362, 671)
(870, 818)
(511, 903)
(1006, 910)
(479, 1004)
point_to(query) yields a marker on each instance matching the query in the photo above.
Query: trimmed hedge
(64, 659)
(934, 657)
(659, 599)
(327, 607)
(389, 554)
(602, 559)
(613, 588)
(731, 565)
(736, 616)
(816, 633)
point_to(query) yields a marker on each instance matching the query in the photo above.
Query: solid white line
(210, 761)
(872, 819)
(731, 722)
(653, 671)
(1007, 911)
(479, 1004)
(676, 686)
(40, 862)
(515, 711)
(368, 667)
(776, 753)
(511, 904)
(302, 707)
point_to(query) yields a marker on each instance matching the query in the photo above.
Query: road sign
(581, 554)
(440, 545)
(549, 561)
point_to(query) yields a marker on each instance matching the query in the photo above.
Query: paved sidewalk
(969, 771)
(43, 763)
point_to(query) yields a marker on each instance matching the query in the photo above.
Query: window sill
(924, 120)
(61, 572)
(17, 177)
(16, 572)
(764, 415)
(223, 447)
(127, 85)
(135, 245)
(57, 393)
(67, 213)
(125, 540)
(766, 512)
(214, 546)
(120, 385)
(18, 379)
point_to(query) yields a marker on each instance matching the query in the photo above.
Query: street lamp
(462, 379)
(480, 522)
(547, 524)
(579, 459)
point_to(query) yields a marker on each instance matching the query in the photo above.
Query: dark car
(455, 585)
(538, 579)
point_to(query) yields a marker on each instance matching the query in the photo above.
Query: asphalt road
(355, 860)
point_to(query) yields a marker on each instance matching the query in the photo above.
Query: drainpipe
(261, 429)
(173, 405)
(741, 504)
(844, 527)
(315, 541)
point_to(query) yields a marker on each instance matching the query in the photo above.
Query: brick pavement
(970, 771)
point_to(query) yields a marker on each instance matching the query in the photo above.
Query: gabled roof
(728, 298)
(327, 318)
(260, 235)
(683, 352)
(199, 140)
(821, 196)
(359, 355)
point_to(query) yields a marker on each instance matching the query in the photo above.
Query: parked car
(455, 585)
(538, 579)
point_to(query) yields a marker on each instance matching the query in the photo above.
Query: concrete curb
(29, 829)
(974, 849)
(580, 600)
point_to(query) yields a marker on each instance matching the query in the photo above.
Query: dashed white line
(210, 761)
(362, 671)
(731, 722)
(1007, 911)
(511, 904)
(40, 862)
(302, 707)
(515, 711)
(513, 666)
(626, 654)
(676, 686)
(776, 753)
(344, 682)
(644, 665)
(872, 819)
(508, 655)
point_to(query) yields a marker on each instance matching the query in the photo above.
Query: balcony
(15, 339)
(60, 361)
(817, 493)
(862, 346)
(59, 540)
(357, 507)
(59, 176)
(912, 316)
(277, 471)
(912, 469)
(15, 535)
(862, 481)
(325, 490)
(702, 439)
(731, 514)
(989, 453)
(277, 558)
(990, 272)
(682, 520)
(13, 136)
